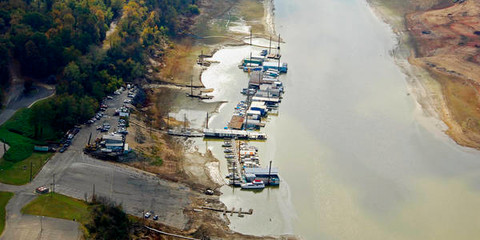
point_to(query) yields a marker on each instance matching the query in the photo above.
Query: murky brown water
(355, 157)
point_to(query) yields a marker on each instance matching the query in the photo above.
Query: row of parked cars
(149, 214)
(66, 141)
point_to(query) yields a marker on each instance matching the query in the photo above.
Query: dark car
(155, 217)
(62, 150)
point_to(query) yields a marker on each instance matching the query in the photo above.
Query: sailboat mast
(270, 45)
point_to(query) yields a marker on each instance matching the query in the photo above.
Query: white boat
(255, 184)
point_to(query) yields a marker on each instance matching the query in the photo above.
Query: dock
(200, 95)
(236, 122)
(231, 211)
(185, 133)
(232, 134)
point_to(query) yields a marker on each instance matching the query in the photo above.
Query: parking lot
(77, 174)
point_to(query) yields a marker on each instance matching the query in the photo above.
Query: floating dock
(185, 133)
(239, 134)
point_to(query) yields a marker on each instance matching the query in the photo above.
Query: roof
(115, 137)
(272, 64)
(265, 99)
(236, 122)
(261, 171)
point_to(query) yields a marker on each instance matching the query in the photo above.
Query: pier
(232, 211)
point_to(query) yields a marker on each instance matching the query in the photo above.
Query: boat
(230, 175)
(229, 156)
(227, 144)
(255, 184)
(228, 150)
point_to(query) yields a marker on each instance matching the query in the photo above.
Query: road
(18, 99)
(77, 174)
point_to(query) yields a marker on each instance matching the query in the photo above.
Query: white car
(148, 214)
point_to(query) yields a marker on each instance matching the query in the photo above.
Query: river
(357, 157)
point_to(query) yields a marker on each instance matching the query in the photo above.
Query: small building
(113, 138)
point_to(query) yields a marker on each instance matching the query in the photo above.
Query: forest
(62, 42)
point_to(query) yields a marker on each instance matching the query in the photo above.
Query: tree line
(61, 41)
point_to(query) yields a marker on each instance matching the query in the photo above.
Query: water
(354, 153)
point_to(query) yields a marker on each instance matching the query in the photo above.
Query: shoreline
(431, 109)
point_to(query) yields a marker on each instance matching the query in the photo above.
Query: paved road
(77, 173)
(17, 99)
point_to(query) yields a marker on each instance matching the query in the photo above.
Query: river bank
(438, 40)
(170, 79)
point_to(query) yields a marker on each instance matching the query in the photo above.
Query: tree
(41, 117)
(108, 221)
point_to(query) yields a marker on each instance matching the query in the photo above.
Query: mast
(270, 45)
(206, 122)
(191, 86)
(278, 53)
(250, 47)
(269, 172)
(184, 122)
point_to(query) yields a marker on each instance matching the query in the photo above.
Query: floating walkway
(229, 133)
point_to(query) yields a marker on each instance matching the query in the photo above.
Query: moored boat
(255, 184)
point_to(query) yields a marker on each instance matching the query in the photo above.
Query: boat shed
(263, 174)
(274, 65)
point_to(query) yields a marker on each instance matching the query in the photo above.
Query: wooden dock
(185, 133)
(231, 211)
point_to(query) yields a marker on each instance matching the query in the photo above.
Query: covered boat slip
(267, 175)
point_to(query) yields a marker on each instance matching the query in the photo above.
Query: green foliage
(193, 9)
(20, 147)
(18, 173)
(4, 197)
(108, 221)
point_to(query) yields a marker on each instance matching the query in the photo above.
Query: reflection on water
(354, 159)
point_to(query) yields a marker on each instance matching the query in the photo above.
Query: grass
(4, 197)
(58, 206)
(20, 147)
(18, 173)
(18, 133)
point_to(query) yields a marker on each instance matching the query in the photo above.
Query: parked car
(148, 214)
(62, 150)
(109, 97)
(155, 217)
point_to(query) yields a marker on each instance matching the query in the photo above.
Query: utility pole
(31, 165)
(93, 194)
(53, 187)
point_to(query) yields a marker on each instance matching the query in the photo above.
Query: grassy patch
(20, 123)
(20, 147)
(18, 173)
(58, 206)
(253, 12)
(157, 161)
(18, 132)
(4, 197)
